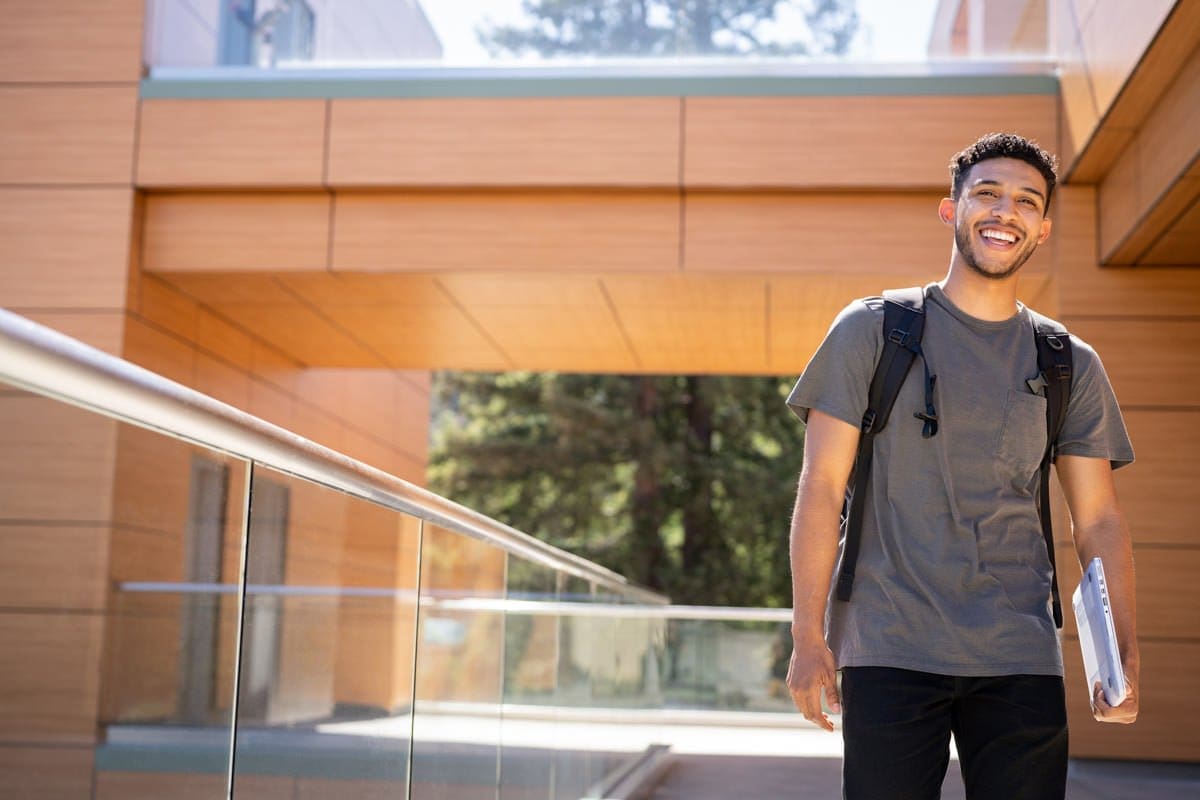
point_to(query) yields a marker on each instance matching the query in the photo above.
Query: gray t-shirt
(953, 576)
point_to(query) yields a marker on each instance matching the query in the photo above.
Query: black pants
(1011, 734)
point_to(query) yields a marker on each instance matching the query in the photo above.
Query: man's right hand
(812, 671)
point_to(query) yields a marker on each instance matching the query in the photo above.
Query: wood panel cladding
(1166, 597)
(1165, 730)
(432, 232)
(49, 677)
(516, 310)
(64, 248)
(251, 231)
(561, 141)
(72, 41)
(821, 233)
(1103, 45)
(1091, 290)
(802, 142)
(1151, 362)
(1181, 244)
(103, 330)
(49, 566)
(1157, 491)
(847, 142)
(256, 143)
(693, 323)
(57, 772)
(1114, 35)
(58, 461)
(1155, 179)
(67, 134)
(236, 347)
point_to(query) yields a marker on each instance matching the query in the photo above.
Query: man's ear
(1044, 234)
(946, 210)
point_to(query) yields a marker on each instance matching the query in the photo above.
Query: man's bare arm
(1099, 529)
(829, 448)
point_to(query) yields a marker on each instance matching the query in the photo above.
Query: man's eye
(1029, 201)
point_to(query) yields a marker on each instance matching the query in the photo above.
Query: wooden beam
(222, 143)
(561, 141)
(1112, 125)
(821, 142)
(1156, 179)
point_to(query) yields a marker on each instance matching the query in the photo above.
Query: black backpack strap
(1056, 365)
(903, 325)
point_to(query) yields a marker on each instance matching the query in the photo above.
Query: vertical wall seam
(328, 189)
(682, 193)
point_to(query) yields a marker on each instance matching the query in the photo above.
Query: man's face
(999, 218)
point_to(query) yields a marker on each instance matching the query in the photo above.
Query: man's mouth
(998, 237)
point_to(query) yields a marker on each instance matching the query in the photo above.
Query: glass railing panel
(646, 649)
(579, 761)
(459, 670)
(626, 671)
(528, 730)
(325, 678)
(727, 664)
(290, 34)
(119, 554)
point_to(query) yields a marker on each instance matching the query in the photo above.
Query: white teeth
(1002, 236)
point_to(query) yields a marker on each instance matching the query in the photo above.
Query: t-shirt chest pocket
(1021, 441)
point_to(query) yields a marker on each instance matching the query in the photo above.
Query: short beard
(963, 241)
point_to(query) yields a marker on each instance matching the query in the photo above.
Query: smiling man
(950, 628)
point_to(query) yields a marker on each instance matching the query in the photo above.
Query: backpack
(903, 324)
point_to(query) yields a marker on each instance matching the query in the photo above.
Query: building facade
(310, 254)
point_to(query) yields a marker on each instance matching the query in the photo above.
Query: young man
(949, 627)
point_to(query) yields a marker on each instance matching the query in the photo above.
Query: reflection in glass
(456, 726)
(528, 731)
(325, 680)
(289, 34)
(727, 665)
(119, 554)
(579, 762)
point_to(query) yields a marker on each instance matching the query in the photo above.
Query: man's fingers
(808, 702)
(832, 697)
(812, 677)
(1125, 713)
(813, 713)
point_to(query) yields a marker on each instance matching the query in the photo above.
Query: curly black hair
(1003, 145)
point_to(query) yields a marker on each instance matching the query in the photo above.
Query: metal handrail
(49, 363)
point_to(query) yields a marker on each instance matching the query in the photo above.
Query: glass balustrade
(181, 619)
(307, 34)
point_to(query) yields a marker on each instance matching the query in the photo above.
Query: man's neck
(980, 297)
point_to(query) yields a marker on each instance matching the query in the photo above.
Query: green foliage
(681, 483)
(675, 28)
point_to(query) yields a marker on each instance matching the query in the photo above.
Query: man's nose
(1005, 208)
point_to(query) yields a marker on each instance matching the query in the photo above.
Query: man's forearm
(1108, 537)
(814, 542)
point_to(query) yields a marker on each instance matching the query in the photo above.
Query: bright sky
(888, 30)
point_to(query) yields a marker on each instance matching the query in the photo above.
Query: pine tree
(683, 484)
(676, 28)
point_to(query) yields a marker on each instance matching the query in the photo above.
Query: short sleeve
(838, 377)
(1094, 427)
